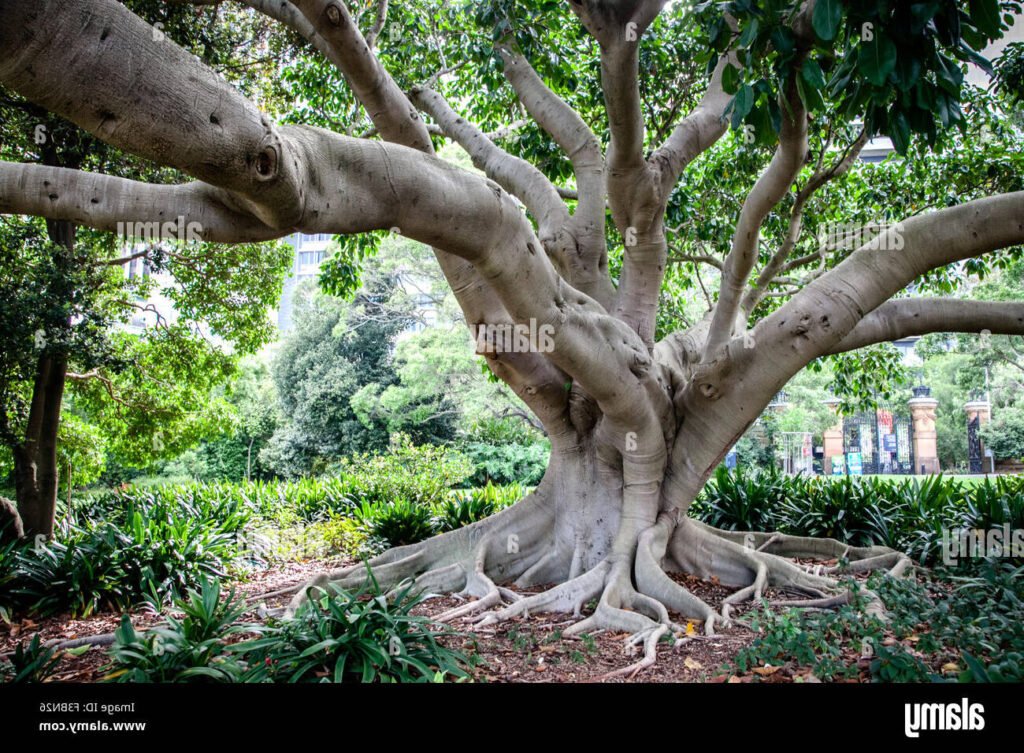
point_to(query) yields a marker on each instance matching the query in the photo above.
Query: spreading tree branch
(780, 263)
(770, 188)
(515, 175)
(906, 317)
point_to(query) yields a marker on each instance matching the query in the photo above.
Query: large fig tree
(566, 234)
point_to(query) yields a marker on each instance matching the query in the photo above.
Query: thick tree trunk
(35, 459)
(36, 475)
(608, 527)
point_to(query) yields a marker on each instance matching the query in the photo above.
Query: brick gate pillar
(832, 438)
(926, 451)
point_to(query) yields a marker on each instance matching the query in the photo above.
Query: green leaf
(979, 60)
(985, 15)
(827, 16)
(899, 132)
(809, 95)
(977, 669)
(812, 74)
(749, 34)
(741, 104)
(730, 79)
(782, 40)
(877, 59)
(949, 75)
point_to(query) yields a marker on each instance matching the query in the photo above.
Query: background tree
(336, 348)
(636, 422)
(68, 291)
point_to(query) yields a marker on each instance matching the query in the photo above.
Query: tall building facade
(310, 252)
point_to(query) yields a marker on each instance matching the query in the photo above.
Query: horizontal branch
(100, 66)
(128, 207)
(827, 310)
(907, 317)
(712, 261)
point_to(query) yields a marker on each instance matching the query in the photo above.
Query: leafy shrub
(928, 509)
(190, 648)
(977, 618)
(463, 509)
(896, 664)
(741, 501)
(501, 496)
(398, 523)
(982, 617)
(911, 515)
(342, 534)
(467, 506)
(991, 505)
(80, 574)
(843, 509)
(308, 499)
(135, 546)
(1004, 434)
(342, 636)
(409, 473)
(29, 663)
(507, 463)
(810, 639)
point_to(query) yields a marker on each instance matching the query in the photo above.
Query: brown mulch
(525, 649)
(532, 649)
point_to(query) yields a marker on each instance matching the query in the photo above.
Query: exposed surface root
(650, 655)
(479, 585)
(635, 596)
(570, 596)
(470, 560)
(651, 578)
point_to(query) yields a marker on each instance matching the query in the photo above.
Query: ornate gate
(879, 442)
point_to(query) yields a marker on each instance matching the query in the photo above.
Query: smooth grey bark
(636, 426)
